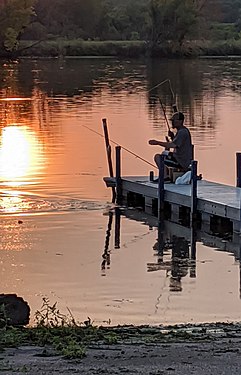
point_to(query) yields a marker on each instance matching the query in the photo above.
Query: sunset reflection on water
(53, 202)
(18, 154)
(19, 165)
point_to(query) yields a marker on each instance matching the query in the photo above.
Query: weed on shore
(60, 334)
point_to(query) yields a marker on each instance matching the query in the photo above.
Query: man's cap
(178, 116)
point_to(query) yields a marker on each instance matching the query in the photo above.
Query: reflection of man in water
(181, 157)
(180, 257)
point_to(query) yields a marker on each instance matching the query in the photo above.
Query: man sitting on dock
(181, 143)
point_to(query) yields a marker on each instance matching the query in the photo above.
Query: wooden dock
(210, 206)
(218, 205)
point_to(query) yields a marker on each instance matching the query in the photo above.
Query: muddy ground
(213, 350)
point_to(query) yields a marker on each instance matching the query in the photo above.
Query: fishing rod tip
(174, 107)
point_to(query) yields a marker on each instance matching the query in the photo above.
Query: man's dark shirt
(183, 150)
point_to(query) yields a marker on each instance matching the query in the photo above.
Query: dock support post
(118, 175)
(193, 192)
(108, 151)
(238, 169)
(161, 189)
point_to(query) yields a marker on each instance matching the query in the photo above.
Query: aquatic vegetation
(50, 316)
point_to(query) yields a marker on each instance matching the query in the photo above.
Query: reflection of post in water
(160, 238)
(180, 262)
(183, 256)
(106, 254)
(117, 227)
(193, 243)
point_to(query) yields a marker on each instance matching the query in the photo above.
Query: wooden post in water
(193, 192)
(161, 191)
(108, 151)
(238, 169)
(118, 174)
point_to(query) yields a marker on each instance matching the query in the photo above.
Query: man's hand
(171, 135)
(153, 142)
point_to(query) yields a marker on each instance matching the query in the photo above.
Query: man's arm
(166, 145)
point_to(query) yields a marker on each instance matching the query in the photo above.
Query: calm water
(55, 208)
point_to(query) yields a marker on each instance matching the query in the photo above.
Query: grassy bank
(72, 342)
(60, 334)
(83, 48)
(135, 49)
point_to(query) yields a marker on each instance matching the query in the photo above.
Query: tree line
(153, 21)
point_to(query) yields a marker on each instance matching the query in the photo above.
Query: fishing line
(124, 148)
(162, 83)
(173, 97)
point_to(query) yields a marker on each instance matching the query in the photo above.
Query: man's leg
(157, 159)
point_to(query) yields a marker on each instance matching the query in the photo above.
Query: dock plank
(213, 198)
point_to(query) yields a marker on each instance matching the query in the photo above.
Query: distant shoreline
(78, 48)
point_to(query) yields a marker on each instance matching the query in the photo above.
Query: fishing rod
(170, 132)
(174, 106)
(162, 83)
(124, 148)
(164, 112)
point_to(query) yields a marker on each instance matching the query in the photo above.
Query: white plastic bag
(185, 179)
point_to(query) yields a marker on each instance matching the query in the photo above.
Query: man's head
(177, 120)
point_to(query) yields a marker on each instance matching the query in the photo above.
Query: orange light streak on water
(19, 154)
(20, 157)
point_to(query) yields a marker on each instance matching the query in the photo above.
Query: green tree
(71, 19)
(174, 20)
(15, 15)
(124, 20)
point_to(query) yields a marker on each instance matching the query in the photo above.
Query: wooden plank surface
(214, 198)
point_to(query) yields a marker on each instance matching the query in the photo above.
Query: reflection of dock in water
(177, 259)
(175, 247)
(230, 242)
